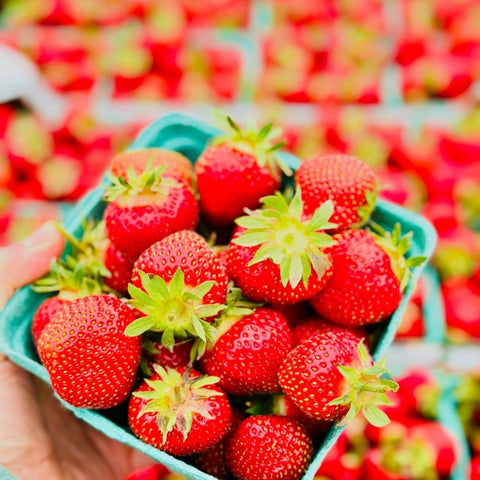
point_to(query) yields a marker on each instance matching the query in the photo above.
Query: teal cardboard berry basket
(188, 136)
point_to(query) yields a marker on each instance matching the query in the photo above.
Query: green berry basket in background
(189, 136)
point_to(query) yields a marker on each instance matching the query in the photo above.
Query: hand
(39, 438)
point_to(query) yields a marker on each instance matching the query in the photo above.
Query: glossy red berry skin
(262, 282)
(341, 178)
(309, 374)
(229, 180)
(120, 268)
(45, 312)
(269, 447)
(91, 363)
(364, 288)
(309, 327)
(190, 252)
(204, 431)
(247, 356)
(133, 226)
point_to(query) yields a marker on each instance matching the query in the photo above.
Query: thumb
(24, 262)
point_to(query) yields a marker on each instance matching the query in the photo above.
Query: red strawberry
(155, 472)
(178, 278)
(328, 376)
(374, 469)
(213, 460)
(423, 451)
(370, 273)
(347, 466)
(179, 411)
(462, 308)
(190, 252)
(294, 313)
(147, 208)
(91, 363)
(277, 258)
(269, 447)
(313, 325)
(236, 170)
(79, 274)
(475, 469)
(45, 312)
(248, 351)
(136, 161)
(316, 429)
(120, 268)
(155, 352)
(347, 181)
(445, 445)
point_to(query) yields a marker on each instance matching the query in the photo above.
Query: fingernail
(42, 237)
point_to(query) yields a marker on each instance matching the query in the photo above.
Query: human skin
(39, 438)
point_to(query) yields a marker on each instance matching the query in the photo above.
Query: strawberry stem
(150, 182)
(262, 144)
(364, 389)
(174, 398)
(397, 245)
(296, 246)
(173, 309)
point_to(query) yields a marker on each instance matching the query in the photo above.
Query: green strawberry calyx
(296, 246)
(397, 245)
(365, 389)
(175, 310)
(261, 143)
(237, 307)
(413, 457)
(81, 270)
(151, 182)
(175, 398)
(365, 211)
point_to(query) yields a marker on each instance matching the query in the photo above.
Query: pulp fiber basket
(188, 136)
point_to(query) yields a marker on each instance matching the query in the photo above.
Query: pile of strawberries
(467, 395)
(414, 446)
(230, 315)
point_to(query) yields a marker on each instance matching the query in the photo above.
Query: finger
(28, 260)
(25, 449)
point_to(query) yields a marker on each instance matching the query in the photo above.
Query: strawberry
(314, 324)
(91, 363)
(179, 411)
(375, 469)
(120, 268)
(155, 472)
(283, 405)
(190, 252)
(248, 350)
(294, 313)
(462, 308)
(444, 444)
(236, 170)
(178, 278)
(475, 469)
(147, 208)
(332, 377)
(422, 451)
(136, 161)
(45, 312)
(276, 257)
(93, 266)
(269, 447)
(370, 273)
(347, 181)
(155, 352)
(78, 274)
(213, 460)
